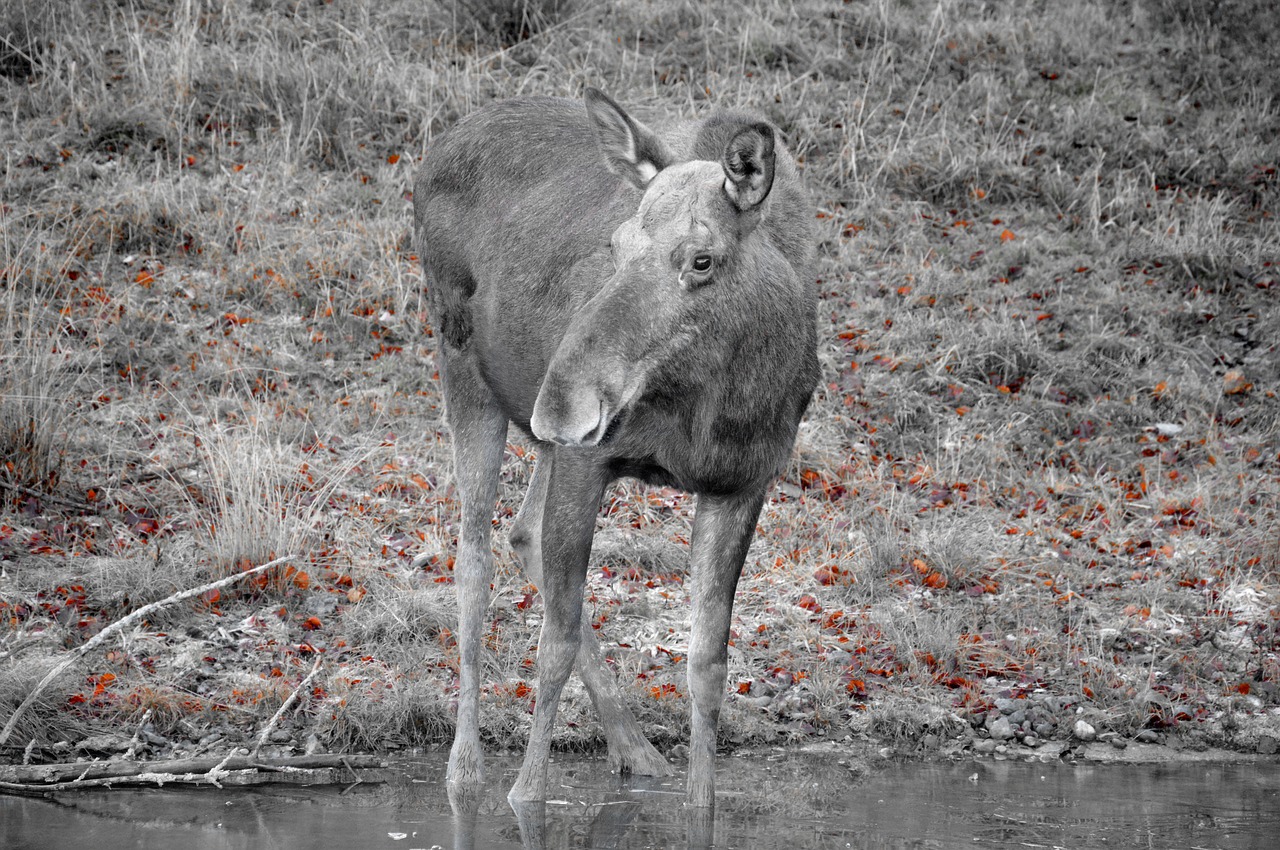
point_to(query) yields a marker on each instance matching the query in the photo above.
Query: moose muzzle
(570, 415)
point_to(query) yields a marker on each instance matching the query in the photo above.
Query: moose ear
(748, 166)
(631, 149)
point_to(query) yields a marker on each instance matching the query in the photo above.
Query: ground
(1037, 486)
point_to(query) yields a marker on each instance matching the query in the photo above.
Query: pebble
(104, 744)
(1147, 736)
(1268, 745)
(1084, 731)
(280, 736)
(1000, 729)
(984, 745)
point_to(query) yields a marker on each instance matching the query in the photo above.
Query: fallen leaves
(1235, 383)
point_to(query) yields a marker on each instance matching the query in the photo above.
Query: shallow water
(783, 801)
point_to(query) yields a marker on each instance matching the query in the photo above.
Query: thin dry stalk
(119, 626)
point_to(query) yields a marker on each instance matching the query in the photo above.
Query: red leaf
(808, 603)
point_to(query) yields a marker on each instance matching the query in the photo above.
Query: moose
(640, 304)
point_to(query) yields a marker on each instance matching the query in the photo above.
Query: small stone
(1119, 743)
(104, 744)
(1000, 729)
(1083, 731)
(1031, 741)
(280, 736)
(1147, 736)
(1268, 745)
(1044, 729)
(985, 746)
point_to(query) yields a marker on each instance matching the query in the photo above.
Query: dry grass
(1042, 455)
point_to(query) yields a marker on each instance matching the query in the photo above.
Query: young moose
(642, 305)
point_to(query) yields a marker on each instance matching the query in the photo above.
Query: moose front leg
(722, 532)
(569, 513)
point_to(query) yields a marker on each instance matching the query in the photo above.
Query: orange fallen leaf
(1235, 383)
(1007, 235)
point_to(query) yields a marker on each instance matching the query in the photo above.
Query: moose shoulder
(641, 304)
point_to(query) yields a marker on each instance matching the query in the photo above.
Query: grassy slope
(1043, 455)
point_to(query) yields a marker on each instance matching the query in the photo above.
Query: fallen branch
(54, 777)
(118, 626)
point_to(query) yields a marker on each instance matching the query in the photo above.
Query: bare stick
(137, 736)
(241, 770)
(293, 697)
(219, 771)
(43, 775)
(118, 626)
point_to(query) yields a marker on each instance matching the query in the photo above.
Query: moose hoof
(640, 759)
(466, 764)
(701, 797)
(526, 791)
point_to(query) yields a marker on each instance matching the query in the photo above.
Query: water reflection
(783, 801)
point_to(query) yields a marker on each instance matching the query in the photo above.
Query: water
(784, 801)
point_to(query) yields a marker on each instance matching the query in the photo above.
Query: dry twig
(293, 697)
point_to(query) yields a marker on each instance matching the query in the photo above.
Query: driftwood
(118, 626)
(237, 770)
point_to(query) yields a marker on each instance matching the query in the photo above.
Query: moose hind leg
(572, 500)
(479, 432)
(629, 750)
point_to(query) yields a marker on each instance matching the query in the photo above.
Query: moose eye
(701, 264)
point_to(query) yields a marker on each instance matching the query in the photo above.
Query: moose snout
(569, 416)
